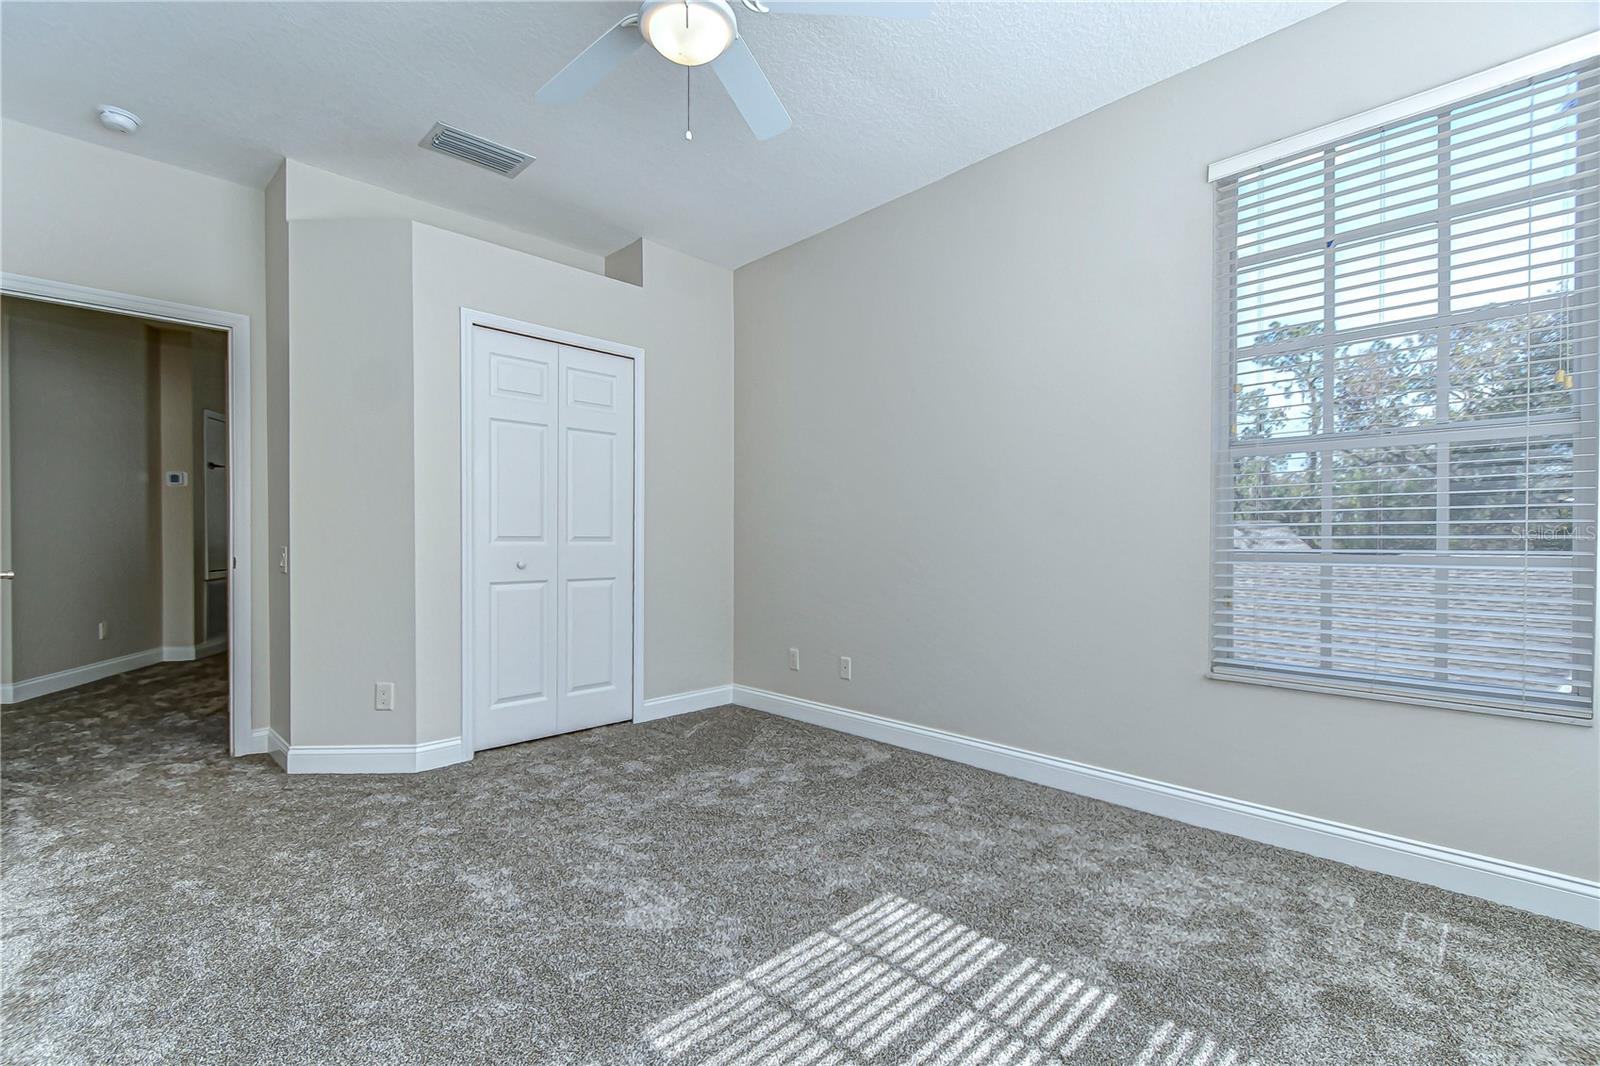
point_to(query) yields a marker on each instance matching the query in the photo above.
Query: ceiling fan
(694, 33)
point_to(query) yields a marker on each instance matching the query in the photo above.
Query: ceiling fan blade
(751, 91)
(883, 9)
(593, 63)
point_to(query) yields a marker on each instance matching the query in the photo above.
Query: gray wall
(374, 400)
(94, 216)
(192, 368)
(208, 367)
(83, 490)
(174, 358)
(682, 316)
(940, 472)
(98, 407)
(321, 194)
(352, 602)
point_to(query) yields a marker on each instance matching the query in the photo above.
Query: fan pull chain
(688, 83)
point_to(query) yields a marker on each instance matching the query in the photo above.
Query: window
(1406, 473)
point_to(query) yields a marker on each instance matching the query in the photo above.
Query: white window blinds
(1406, 477)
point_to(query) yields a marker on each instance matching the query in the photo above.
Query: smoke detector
(118, 120)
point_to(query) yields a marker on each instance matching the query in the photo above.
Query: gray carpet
(721, 888)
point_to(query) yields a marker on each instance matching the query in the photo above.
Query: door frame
(469, 319)
(242, 737)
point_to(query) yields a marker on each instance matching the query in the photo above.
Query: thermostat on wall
(177, 477)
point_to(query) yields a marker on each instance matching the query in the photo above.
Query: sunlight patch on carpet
(898, 976)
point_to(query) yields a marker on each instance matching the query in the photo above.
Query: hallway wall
(90, 215)
(192, 368)
(84, 434)
(98, 407)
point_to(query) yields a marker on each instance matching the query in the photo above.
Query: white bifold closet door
(552, 528)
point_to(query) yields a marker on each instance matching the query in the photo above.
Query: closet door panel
(515, 550)
(595, 517)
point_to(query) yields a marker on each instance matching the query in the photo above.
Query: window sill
(1387, 695)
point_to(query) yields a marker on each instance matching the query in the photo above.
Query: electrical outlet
(383, 696)
(844, 667)
(100, 631)
(794, 658)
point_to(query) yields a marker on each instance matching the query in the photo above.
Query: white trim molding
(260, 742)
(278, 748)
(61, 680)
(237, 327)
(365, 758)
(469, 319)
(1542, 62)
(1556, 895)
(183, 653)
(684, 703)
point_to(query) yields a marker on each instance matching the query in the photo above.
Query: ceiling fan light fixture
(688, 32)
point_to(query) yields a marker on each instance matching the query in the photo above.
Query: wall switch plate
(177, 478)
(383, 696)
(794, 658)
(844, 667)
(100, 631)
(283, 558)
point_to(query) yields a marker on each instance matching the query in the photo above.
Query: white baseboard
(258, 743)
(1546, 892)
(364, 758)
(183, 653)
(684, 702)
(439, 753)
(278, 748)
(61, 680)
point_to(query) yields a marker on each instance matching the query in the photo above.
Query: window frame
(1581, 422)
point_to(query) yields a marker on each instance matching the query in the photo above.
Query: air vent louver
(475, 150)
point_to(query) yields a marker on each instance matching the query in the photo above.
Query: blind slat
(1405, 491)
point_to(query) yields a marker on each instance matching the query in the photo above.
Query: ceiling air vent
(476, 150)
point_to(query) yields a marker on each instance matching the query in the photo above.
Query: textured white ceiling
(880, 107)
